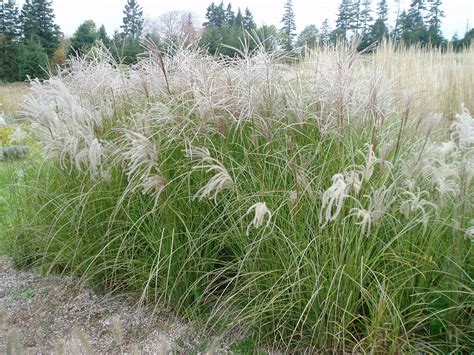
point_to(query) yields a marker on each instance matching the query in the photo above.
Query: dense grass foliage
(297, 201)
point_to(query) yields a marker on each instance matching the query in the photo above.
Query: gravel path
(41, 314)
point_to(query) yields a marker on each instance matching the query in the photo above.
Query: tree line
(31, 43)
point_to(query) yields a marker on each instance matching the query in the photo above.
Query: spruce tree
(103, 37)
(229, 16)
(435, 14)
(248, 22)
(356, 24)
(37, 19)
(325, 35)
(366, 15)
(32, 60)
(289, 25)
(344, 19)
(84, 38)
(382, 10)
(133, 19)
(239, 19)
(9, 41)
(413, 26)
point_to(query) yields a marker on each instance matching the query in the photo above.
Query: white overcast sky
(71, 13)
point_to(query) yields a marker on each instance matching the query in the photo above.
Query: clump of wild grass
(299, 201)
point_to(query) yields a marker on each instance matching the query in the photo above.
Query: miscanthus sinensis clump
(363, 239)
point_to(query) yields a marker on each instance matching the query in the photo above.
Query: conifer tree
(33, 60)
(239, 19)
(344, 19)
(84, 38)
(133, 19)
(382, 10)
(229, 15)
(103, 37)
(9, 41)
(413, 26)
(325, 34)
(289, 25)
(356, 25)
(435, 14)
(248, 21)
(37, 18)
(366, 15)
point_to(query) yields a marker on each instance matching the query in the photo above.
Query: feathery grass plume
(217, 183)
(353, 180)
(261, 211)
(463, 129)
(333, 199)
(365, 219)
(414, 202)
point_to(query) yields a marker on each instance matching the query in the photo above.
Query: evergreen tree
(366, 16)
(308, 38)
(84, 38)
(396, 30)
(248, 21)
(37, 18)
(239, 19)
(229, 16)
(103, 37)
(216, 16)
(400, 27)
(344, 19)
(435, 15)
(32, 61)
(9, 41)
(413, 26)
(382, 11)
(356, 24)
(325, 35)
(133, 19)
(289, 25)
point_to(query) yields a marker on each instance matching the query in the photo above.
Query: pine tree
(132, 20)
(103, 37)
(356, 11)
(32, 60)
(325, 35)
(396, 30)
(366, 16)
(382, 10)
(9, 41)
(216, 16)
(37, 18)
(400, 26)
(239, 19)
(248, 21)
(413, 26)
(229, 16)
(84, 38)
(344, 19)
(289, 25)
(435, 14)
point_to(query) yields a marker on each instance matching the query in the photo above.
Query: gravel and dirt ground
(52, 314)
